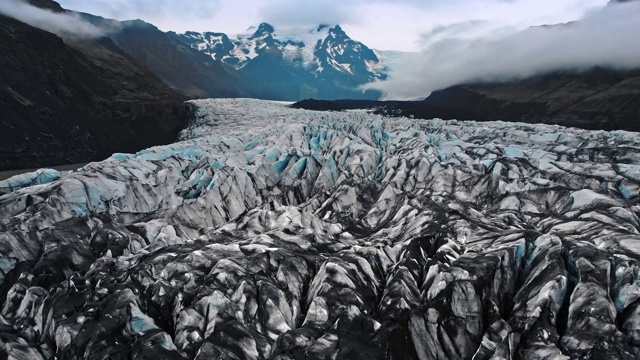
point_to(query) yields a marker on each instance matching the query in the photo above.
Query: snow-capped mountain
(211, 43)
(310, 58)
(317, 49)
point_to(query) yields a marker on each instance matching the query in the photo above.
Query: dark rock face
(594, 99)
(46, 4)
(70, 101)
(598, 99)
(274, 233)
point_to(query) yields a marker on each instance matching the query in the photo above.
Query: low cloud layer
(308, 13)
(608, 37)
(63, 24)
(290, 13)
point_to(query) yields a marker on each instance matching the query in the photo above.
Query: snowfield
(277, 233)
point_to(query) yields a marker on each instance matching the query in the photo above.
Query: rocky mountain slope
(186, 70)
(322, 63)
(597, 99)
(275, 233)
(76, 100)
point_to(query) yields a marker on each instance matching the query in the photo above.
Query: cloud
(471, 29)
(63, 24)
(395, 24)
(293, 13)
(604, 38)
(314, 12)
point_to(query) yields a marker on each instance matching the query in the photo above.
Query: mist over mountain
(606, 38)
(49, 16)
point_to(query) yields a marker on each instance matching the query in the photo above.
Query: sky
(405, 25)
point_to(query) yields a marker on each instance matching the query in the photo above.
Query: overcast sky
(407, 25)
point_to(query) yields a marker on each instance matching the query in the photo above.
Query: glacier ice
(271, 232)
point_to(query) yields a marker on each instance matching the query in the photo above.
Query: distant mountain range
(322, 62)
(186, 70)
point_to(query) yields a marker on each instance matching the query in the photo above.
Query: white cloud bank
(63, 23)
(608, 37)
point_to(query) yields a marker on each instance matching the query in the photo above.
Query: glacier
(268, 232)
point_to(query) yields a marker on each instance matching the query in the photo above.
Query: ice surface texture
(274, 233)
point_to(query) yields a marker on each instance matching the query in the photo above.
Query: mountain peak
(139, 24)
(319, 57)
(337, 32)
(46, 4)
(264, 28)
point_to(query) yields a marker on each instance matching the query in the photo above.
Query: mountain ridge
(183, 69)
(594, 99)
(322, 61)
